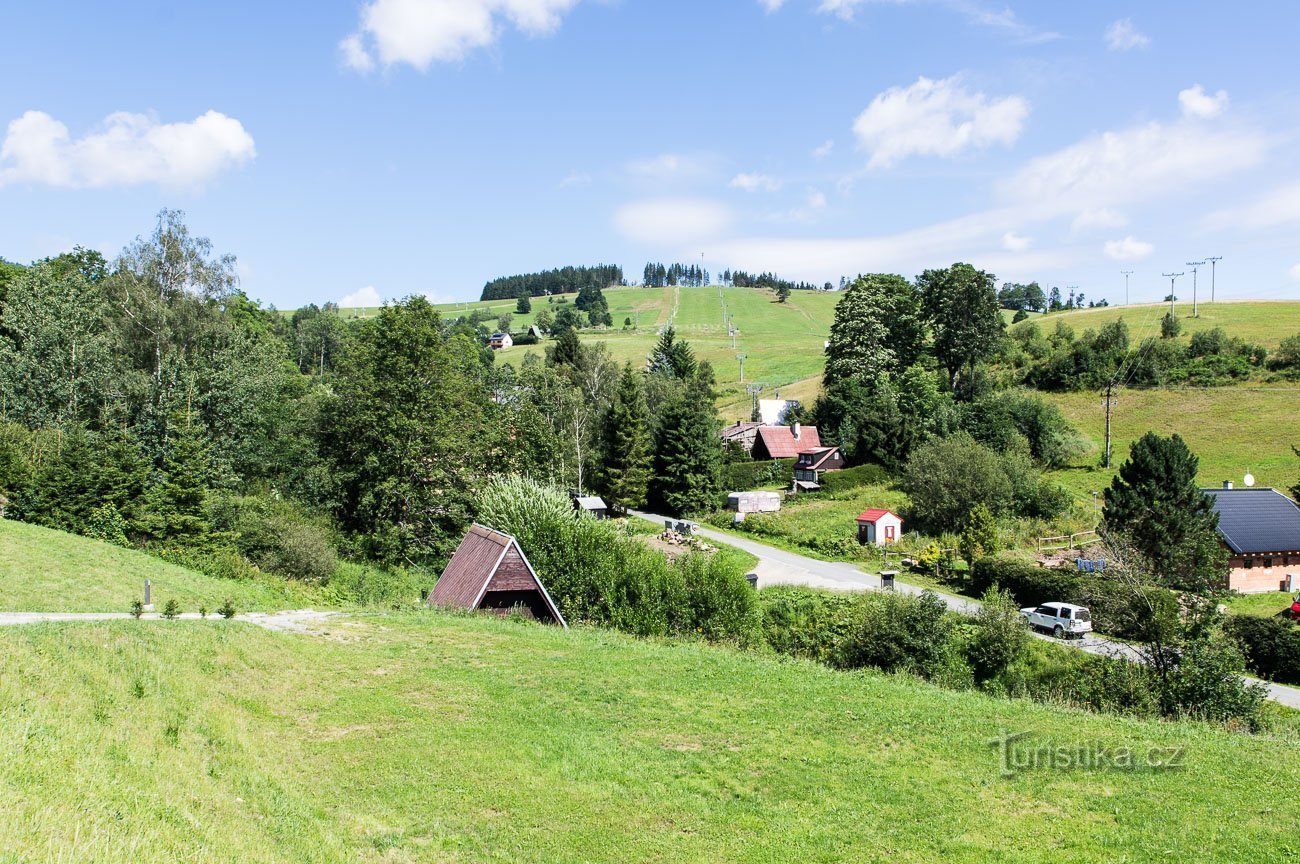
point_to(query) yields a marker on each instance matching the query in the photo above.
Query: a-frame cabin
(489, 571)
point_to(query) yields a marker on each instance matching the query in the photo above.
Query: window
(1249, 563)
(1268, 562)
(1083, 615)
(1065, 613)
(1046, 610)
(889, 532)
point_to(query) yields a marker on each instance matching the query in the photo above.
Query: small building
(754, 502)
(773, 411)
(489, 571)
(593, 504)
(535, 332)
(879, 527)
(811, 464)
(500, 340)
(741, 433)
(784, 442)
(1261, 528)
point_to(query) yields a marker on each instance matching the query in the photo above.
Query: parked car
(1063, 619)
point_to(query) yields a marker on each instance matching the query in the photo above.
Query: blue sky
(391, 147)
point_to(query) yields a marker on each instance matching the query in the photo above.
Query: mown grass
(1263, 322)
(1260, 605)
(42, 570)
(432, 737)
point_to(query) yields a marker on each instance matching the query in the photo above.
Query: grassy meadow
(431, 737)
(42, 570)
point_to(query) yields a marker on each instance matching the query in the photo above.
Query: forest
(562, 280)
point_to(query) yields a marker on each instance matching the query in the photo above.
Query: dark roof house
(1257, 521)
(785, 442)
(490, 571)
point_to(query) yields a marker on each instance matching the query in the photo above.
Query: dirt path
(288, 621)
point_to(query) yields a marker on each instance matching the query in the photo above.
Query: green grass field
(1265, 322)
(429, 737)
(42, 570)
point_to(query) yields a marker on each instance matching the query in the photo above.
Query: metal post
(1195, 265)
(148, 590)
(741, 358)
(1127, 273)
(1172, 277)
(1213, 261)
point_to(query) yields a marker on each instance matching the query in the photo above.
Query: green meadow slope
(42, 570)
(430, 737)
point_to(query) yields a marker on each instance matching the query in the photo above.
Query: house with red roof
(879, 527)
(784, 442)
(812, 464)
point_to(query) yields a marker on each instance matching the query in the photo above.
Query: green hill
(42, 570)
(430, 737)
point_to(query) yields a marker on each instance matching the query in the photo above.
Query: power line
(1195, 265)
(1213, 261)
(1172, 278)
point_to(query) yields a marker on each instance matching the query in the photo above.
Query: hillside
(433, 737)
(42, 570)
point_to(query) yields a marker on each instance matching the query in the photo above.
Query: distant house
(814, 462)
(535, 332)
(1261, 528)
(879, 527)
(489, 571)
(773, 411)
(784, 442)
(500, 340)
(741, 433)
(593, 504)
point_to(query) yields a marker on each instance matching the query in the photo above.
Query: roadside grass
(43, 570)
(436, 737)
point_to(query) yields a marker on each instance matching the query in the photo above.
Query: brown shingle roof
(470, 571)
(780, 443)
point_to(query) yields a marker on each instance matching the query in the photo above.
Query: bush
(171, 609)
(803, 622)
(901, 632)
(1170, 326)
(227, 609)
(1271, 646)
(597, 572)
(1000, 635)
(367, 585)
(742, 476)
(1208, 685)
(1287, 355)
(137, 608)
(278, 536)
(106, 523)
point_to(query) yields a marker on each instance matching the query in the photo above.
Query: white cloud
(1013, 242)
(1294, 273)
(1102, 217)
(364, 298)
(128, 149)
(1279, 207)
(1123, 36)
(753, 182)
(575, 178)
(354, 54)
(824, 150)
(816, 199)
(1197, 103)
(1135, 164)
(937, 118)
(1003, 19)
(1128, 249)
(418, 32)
(669, 165)
(770, 6)
(672, 221)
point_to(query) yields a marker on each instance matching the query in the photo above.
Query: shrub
(203, 611)
(1170, 326)
(137, 608)
(742, 476)
(803, 622)
(1208, 685)
(106, 523)
(901, 632)
(368, 585)
(1271, 646)
(278, 536)
(1000, 635)
(1287, 355)
(171, 609)
(227, 609)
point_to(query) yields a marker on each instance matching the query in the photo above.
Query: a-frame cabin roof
(488, 560)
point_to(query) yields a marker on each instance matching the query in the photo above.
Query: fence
(1072, 541)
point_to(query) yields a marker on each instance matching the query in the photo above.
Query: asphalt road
(779, 567)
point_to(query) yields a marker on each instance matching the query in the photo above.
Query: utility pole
(1127, 273)
(754, 389)
(1172, 277)
(1110, 403)
(741, 358)
(1213, 261)
(1195, 265)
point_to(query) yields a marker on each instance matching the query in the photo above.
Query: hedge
(1271, 646)
(743, 476)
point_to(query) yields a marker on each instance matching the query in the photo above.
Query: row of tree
(656, 275)
(562, 280)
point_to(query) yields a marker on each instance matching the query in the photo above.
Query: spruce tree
(179, 502)
(687, 453)
(1156, 506)
(672, 358)
(624, 473)
(523, 305)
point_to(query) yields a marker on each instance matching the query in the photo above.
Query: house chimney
(797, 431)
(1227, 484)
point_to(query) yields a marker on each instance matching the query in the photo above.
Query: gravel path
(290, 621)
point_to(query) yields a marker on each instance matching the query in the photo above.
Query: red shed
(879, 527)
(490, 571)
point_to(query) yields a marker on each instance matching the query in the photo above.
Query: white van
(1063, 619)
